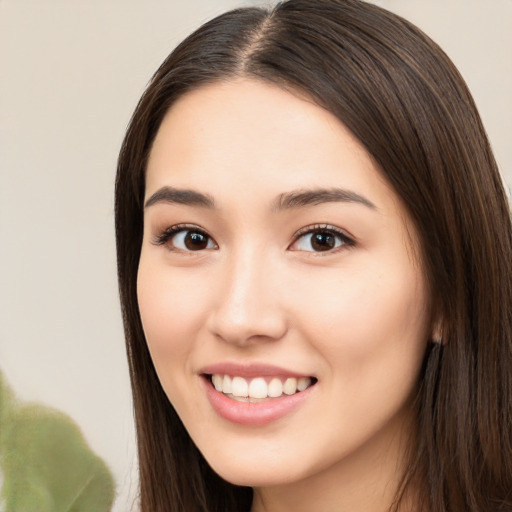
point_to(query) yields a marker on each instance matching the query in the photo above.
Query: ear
(437, 332)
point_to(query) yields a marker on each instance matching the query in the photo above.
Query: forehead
(246, 128)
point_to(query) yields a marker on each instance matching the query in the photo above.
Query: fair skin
(325, 288)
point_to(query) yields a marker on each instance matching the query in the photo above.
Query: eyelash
(346, 241)
(172, 231)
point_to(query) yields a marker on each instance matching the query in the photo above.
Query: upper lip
(250, 370)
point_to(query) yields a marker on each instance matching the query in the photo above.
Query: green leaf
(46, 463)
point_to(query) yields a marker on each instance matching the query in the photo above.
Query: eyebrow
(172, 195)
(312, 197)
(286, 201)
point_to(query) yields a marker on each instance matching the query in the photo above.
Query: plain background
(71, 72)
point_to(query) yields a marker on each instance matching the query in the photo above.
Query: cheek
(169, 313)
(366, 317)
(371, 332)
(171, 317)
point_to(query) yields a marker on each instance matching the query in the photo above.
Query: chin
(255, 473)
(255, 477)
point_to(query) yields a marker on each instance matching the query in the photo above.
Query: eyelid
(348, 240)
(168, 233)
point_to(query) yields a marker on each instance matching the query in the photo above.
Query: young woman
(315, 265)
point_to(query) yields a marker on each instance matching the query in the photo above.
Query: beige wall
(70, 75)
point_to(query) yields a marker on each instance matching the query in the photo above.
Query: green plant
(46, 463)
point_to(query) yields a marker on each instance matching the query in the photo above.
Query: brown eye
(186, 239)
(321, 239)
(195, 241)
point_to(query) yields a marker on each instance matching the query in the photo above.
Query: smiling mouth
(258, 389)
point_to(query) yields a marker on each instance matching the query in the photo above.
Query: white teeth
(226, 384)
(303, 383)
(290, 386)
(238, 387)
(217, 382)
(258, 388)
(275, 388)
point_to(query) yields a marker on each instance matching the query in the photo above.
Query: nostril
(247, 318)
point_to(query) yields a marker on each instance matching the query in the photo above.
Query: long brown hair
(404, 100)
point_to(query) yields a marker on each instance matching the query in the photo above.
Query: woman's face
(277, 262)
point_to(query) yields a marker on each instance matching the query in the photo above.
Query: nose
(247, 306)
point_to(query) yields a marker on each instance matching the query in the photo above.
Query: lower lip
(254, 413)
